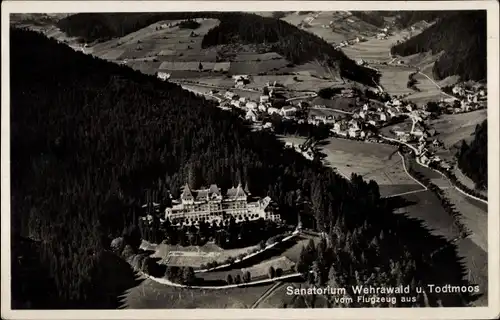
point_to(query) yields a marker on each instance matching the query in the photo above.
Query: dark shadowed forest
(462, 38)
(473, 158)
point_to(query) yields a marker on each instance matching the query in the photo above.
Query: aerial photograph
(248, 160)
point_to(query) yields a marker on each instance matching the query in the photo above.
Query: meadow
(194, 256)
(453, 128)
(153, 295)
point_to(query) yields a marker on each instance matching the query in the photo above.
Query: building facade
(209, 205)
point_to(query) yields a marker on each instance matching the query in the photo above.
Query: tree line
(473, 159)
(462, 37)
(296, 45)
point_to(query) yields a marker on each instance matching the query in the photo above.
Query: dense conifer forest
(88, 137)
(462, 38)
(405, 19)
(296, 45)
(371, 17)
(473, 158)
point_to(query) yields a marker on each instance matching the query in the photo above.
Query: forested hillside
(297, 45)
(372, 17)
(462, 37)
(473, 158)
(405, 19)
(88, 137)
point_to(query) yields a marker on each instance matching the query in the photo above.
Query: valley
(310, 163)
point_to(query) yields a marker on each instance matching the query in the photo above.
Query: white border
(490, 312)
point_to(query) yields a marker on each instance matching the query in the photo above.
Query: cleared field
(255, 67)
(195, 256)
(261, 269)
(333, 27)
(373, 161)
(249, 56)
(338, 103)
(377, 162)
(326, 112)
(457, 127)
(475, 216)
(372, 50)
(152, 295)
(394, 79)
(429, 91)
(427, 208)
(293, 253)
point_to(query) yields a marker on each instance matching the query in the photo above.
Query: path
(437, 85)
(266, 294)
(425, 166)
(331, 109)
(229, 286)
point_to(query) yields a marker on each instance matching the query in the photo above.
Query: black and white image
(249, 159)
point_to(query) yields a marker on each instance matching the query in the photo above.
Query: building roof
(237, 192)
(214, 189)
(186, 192)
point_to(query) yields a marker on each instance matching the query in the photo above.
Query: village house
(437, 143)
(267, 125)
(383, 116)
(391, 113)
(230, 95)
(288, 111)
(264, 99)
(272, 110)
(458, 90)
(262, 107)
(250, 105)
(208, 205)
(241, 77)
(236, 103)
(381, 36)
(163, 75)
(243, 99)
(251, 115)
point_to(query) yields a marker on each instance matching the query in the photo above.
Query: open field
(343, 26)
(194, 256)
(394, 79)
(373, 161)
(475, 216)
(153, 295)
(373, 50)
(456, 127)
(293, 253)
(429, 91)
(160, 47)
(326, 112)
(338, 103)
(427, 208)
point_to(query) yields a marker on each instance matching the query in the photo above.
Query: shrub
(247, 277)
(271, 272)
(237, 279)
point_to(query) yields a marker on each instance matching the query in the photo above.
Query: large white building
(211, 205)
